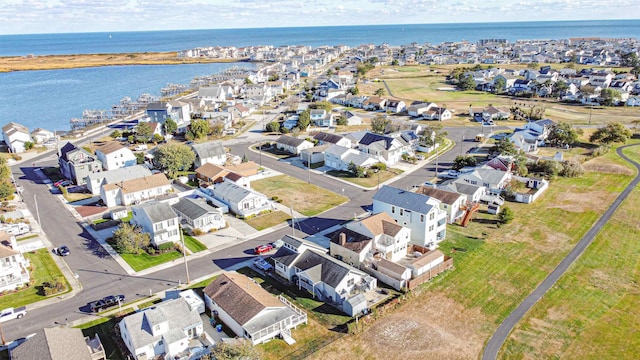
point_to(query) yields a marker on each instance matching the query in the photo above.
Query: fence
(433, 272)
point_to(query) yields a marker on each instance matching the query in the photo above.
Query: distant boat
(109, 36)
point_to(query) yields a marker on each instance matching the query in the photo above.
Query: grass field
(591, 313)
(367, 182)
(145, 261)
(426, 83)
(193, 244)
(265, 221)
(305, 198)
(500, 266)
(44, 269)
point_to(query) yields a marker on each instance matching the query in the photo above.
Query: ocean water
(50, 98)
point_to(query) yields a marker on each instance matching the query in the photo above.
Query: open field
(265, 221)
(500, 266)
(305, 198)
(426, 83)
(52, 62)
(591, 313)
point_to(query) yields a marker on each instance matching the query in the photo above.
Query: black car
(62, 250)
(106, 302)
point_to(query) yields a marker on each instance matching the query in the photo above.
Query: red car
(263, 249)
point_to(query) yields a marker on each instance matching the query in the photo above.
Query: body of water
(50, 98)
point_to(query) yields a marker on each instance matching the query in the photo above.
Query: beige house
(134, 191)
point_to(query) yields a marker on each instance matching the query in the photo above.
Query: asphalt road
(100, 275)
(499, 337)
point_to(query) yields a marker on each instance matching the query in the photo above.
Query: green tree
(464, 160)
(609, 97)
(379, 124)
(433, 134)
(139, 158)
(273, 126)
(499, 85)
(248, 81)
(304, 119)
(330, 72)
(5, 171)
(6, 188)
(144, 131)
(395, 62)
(28, 145)
(170, 126)
(217, 129)
(174, 157)
(612, 133)
(563, 134)
(157, 138)
(323, 105)
(273, 77)
(630, 59)
(130, 239)
(354, 90)
(115, 134)
(505, 147)
(357, 171)
(505, 216)
(199, 128)
(380, 92)
(467, 83)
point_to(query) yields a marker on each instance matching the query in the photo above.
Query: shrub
(166, 246)
(197, 232)
(50, 288)
(572, 169)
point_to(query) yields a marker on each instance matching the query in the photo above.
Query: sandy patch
(583, 201)
(430, 326)
(603, 166)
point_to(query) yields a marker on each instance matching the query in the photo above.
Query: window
(432, 215)
(350, 282)
(393, 209)
(421, 217)
(431, 228)
(172, 222)
(401, 212)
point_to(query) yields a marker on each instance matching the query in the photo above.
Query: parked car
(449, 174)
(62, 183)
(262, 264)
(62, 250)
(419, 156)
(140, 147)
(12, 313)
(263, 249)
(106, 302)
(277, 244)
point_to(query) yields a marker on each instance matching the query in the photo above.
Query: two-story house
(164, 330)
(77, 163)
(451, 202)
(159, 220)
(420, 213)
(15, 136)
(320, 117)
(210, 152)
(388, 149)
(494, 180)
(330, 138)
(134, 191)
(197, 214)
(176, 110)
(112, 155)
(14, 267)
(96, 180)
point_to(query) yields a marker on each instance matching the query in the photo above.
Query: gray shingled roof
(121, 174)
(232, 191)
(208, 149)
(328, 137)
(404, 199)
(176, 312)
(290, 140)
(325, 268)
(193, 208)
(54, 344)
(156, 212)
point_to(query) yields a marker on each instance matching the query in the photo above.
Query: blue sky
(57, 16)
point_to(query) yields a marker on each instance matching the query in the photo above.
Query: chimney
(343, 239)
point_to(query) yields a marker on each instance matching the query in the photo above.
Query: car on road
(419, 156)
(263, 249)
(106, 302)
(449, 174)
(62, 183)
(262, 264)
(12, 313)
(62, 250)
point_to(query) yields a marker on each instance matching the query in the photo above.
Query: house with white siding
(292, 145)
(135, 190)
(159, 220)
(212, 152)
(15, 136)
(241, 200)
(96, 180)
(197, 214)
(112, 155)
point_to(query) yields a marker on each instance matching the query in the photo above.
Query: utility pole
(184, 253)
(309, 167)
(293, 222)
(35, 200)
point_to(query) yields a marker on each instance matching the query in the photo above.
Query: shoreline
(60, 62)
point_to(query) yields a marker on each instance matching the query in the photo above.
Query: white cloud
(25, 16)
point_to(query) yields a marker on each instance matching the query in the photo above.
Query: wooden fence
(433, 272)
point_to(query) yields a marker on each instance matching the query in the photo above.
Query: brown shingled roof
(135, 185)
(381, 223)
(111, 146)
(245, 169)
(240, 297)
(427, 258)
(6, 251)
(212, 171)
(447, 197)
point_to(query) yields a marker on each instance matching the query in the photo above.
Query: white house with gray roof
(96, 180)
(15, 136)
(326, 278)
(159, 220)
(163, 330)
(210, 152)
(340, 157)
(242, 201)
(420, 213)
(493, 179)
(197, 214)
(292, 144)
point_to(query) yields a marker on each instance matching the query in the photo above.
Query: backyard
(495, 268)
(305, 198)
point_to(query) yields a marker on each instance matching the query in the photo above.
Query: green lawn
(266, 221)
(193, 244)
(145, 261)
(44, 269)
(305, 198)
(368, 182)
(591, 313)
(105, 328)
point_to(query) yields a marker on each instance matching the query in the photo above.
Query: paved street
(100, 275)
